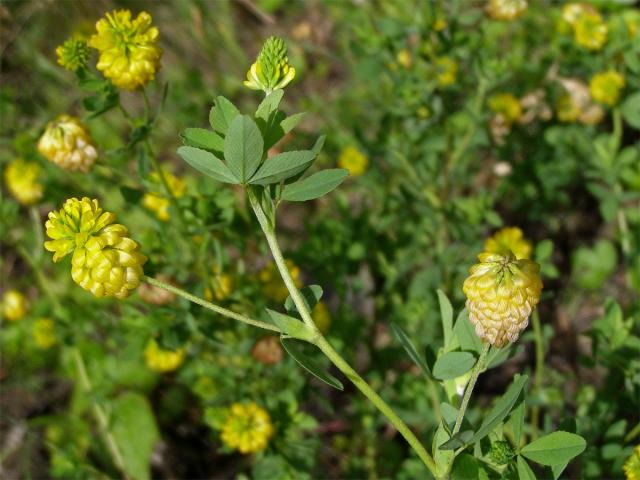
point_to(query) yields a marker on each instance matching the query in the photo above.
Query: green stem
(211, 306)
(37, 227)
(99, 413)
(326, 348)
(475, 373)
(539, 371)
(42, 281)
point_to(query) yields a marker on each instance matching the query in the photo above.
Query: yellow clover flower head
(506, 10)
(353, 160)
(21, 178)
(43, 331)
(590, 31)
(106, 261)
(501, 293)
(73, 54)
(67, 143)
(605, 87)
(631, 466)
(271, 70)
(162, 360)
(247, 428)
(158, 203)
(129, 51)
(14, 305)
(509, 239)
(446, 71)
(507, 105)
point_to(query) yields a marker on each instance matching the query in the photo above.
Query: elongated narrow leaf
(524, 470)
(502, 408)
(517, 421)
(460, 439)
(282, 166)
(555, 448)
(318, 145)
(403, 338)
(311, 295)
(243, 147)
(453, 365)
(207, 163)
(222, 114)
(314, 186)
(292, 122)
(309, 364)
(291, 326)
(203, 138)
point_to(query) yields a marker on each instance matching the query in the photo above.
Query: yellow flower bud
(506, 10)
(129, 51)
(67, 143)
(22, 181)
(271, 70)
(73, 54)
(605, 87)
(247, 428)
(501, 293)
(157, 202)
(509, 239)
(14, 305)
(446, 71)
(353, 160)
(43, 332)
(162, 360)
(105, 259)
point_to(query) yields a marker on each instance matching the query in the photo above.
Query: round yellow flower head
(440, 24)
(247, 428)
(21, 178)
(631, 466)
(67, 143)
(274, 287)
(129, 51)
(106, 261)
(501, 293)
(158, 203)
(506, 10)
(605, 87)
(446, 71)
(509, 239)
(162, 360)
(43, 332)
(590, 31)
(404, 58)
(14, 305)
(271, 70)
(507, 105)
(321, 317)
(353, 160)
(73, 54)
(221, 285)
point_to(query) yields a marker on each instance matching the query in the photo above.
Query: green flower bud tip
(73, 54)
(271, 70)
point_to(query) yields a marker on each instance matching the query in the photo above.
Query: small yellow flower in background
(404, 58)
(576, 104)
(271, 69)
(73, 54)
(423, 112)
(631, 466)
(159, 204)
(440, 24)
(67, 143)
(106, 261)
(129, 51)
(14, 305)
(353, 160)
(446, 71)
(506, 10)
(590, 31)
(501, 293)
(631, 20)
(247, 428)
(572, 11)
(43, 332)
(221, 286)
(273, 286)
(507, 105)
(162, 360)
(567, 109)
(509, 239)
(321, 317)
(605, 87)
(21, 178)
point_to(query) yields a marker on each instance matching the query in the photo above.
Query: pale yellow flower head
(572, 11)
(507, 105)
(271, 70)
(105, 261)
(605, 87)
(353, 160)
(509, 239)
(631, 466)
(14, 305)
(247, 428)
(67, 143)
(501, 294)
(162, 360)
(129, 51)
(21, 178)
(157, 202)
(446, 71)
(506, 10)
(43, 332)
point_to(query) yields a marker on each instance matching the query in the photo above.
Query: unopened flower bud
(271, 70)
(73, 54)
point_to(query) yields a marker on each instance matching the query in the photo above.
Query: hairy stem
(475, 373)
